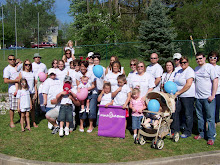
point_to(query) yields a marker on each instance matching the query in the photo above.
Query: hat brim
(37, 56)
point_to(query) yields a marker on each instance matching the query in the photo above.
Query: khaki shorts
(53, 113)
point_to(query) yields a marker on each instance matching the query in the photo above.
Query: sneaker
(82, 110)
(61, 132)
(89, 130)
(67, 131)
(210, 142)
(215, 135)
(197, 137)
(184, 136)
(81, 130)
(50, 126)
(55, 130)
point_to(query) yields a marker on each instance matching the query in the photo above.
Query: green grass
(40, 144)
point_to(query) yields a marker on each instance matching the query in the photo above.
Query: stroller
(167, 103)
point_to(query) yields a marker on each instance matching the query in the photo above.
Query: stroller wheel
(153, 145)
(141, 140)
(160, 144)
(176, 137)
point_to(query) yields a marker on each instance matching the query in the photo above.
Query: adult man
(90, 60)
(176, 59)
(206, 81)
(37, 66)
(10, 74)
(155, 70)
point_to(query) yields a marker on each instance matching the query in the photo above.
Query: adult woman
(133, 65)
(55, 64)
(92, 96)
(29, 76)
(62, 71)
(73, 72)
(169, 73)
(110, 67)
(184, 79)
(69, 46)
(213, 58)
(142, 80)
(67, 58)
(112, 76)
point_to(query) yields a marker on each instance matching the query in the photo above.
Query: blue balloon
(170, 87)
(98, 71)
(153, 105)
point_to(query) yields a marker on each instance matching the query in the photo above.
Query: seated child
(84, 84)
(137, 105)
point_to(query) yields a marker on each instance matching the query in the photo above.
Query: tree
(27, 18)
(156, 32)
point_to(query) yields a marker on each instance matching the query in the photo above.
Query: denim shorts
(66, 113)
(136, 122)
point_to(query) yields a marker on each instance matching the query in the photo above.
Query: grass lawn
(40, 144)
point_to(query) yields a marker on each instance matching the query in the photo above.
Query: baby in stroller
(157, 124)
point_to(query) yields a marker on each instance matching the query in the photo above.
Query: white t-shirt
(112, 78)
(66, 100)
(129, 80)
(19, 67)
(177, 69)
(156, 71)
(37, 68)
(67, 64)
(11, 74)
(71, 49)
(180, 79)
(51, 88)
(73, 75)
(29, 76)
(106, 98)
(60, 74)
(204, 76)
(167, 77)
(92, 79)
(217, 67)
(40, 94)
(122, 96)
(90, 67)
(24, 96)
(145, 82)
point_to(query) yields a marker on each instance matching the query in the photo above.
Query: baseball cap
(177, 55)
(68, 79)
(90, 54)
(66, 87)
(51, 70)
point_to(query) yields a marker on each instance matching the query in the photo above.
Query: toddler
(84, 84)
(24, 104)
(137, 105)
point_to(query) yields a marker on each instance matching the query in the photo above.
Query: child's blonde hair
(135, 91)
(122, 78)
(26, 84)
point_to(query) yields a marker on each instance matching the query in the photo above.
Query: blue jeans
(92, 106)
(186, 105)
(136, 122)
(205, 112)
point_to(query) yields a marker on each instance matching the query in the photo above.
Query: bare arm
(186, 87)
(116, 92)
(74, 100)
(127, 101)
(214, 89)
(7, 81)
(157, 81)
(100, 96)
(45, 99)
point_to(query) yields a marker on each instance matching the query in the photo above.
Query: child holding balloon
(137, 105)
(84, 84)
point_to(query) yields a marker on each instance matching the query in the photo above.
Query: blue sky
(61, 9)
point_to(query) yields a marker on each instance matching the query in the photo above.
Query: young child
(24, 104)
(122, 95)
(137, 105)
(84, 84)
(18, 68)
(65, 113)
(105, 97)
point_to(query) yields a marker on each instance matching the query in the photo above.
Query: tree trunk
(88, 9)
(116, 6)
(110, 7)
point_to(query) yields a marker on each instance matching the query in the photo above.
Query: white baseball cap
(177, 55)
(90, 54)
(51, 70)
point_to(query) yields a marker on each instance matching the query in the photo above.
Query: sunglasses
(27, 64)
(67, 53)
(153, 58)
(132, 64)
(199, 58)
(23, 83)
(214, 58)
(11, 59)
(37, 57)
(76, 65)
(176, 59)
(140, 66)
(183, 62)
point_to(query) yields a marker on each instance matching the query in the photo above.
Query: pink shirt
(137, 105)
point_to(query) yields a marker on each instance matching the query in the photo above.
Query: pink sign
(111, 121)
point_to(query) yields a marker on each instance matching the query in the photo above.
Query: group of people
(197, 90)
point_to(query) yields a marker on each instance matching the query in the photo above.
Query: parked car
(14, 47)
(43, 45)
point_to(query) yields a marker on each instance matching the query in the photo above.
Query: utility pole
(15, 33)
(38, 32)
(3, 44)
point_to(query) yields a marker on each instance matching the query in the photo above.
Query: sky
(61, 11)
